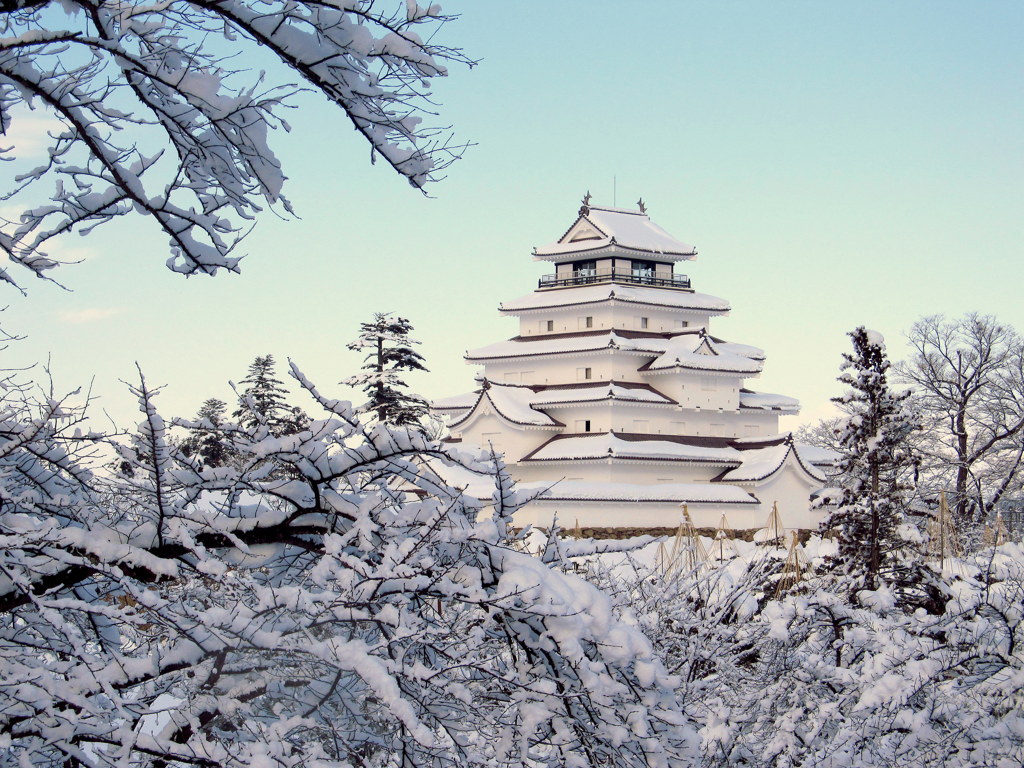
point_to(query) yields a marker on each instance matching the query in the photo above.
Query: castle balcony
(591, 277)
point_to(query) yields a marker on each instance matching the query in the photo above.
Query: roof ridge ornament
(641, 206)
(585, 207)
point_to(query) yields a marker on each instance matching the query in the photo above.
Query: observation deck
(590, 277)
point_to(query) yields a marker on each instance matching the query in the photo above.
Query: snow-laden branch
(153, 116)
(325, 597)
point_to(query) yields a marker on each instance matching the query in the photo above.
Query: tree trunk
(874, 557)
(380, 384)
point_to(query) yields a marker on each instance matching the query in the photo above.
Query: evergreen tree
(876, 463)
(207, 442)
(263, 401)
(388, 345)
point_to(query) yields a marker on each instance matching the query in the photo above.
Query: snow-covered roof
(762, 462)
(598, 390)
(568, 343)
(819, 457)
(511, 399)
(630, 294)
(689, 349)
(677, 493)
(456, 402)
(633, 446)
(765, 401)
(512, 403)
(698, 351)
(599, 228)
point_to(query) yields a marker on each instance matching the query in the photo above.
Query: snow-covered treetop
(604, 231)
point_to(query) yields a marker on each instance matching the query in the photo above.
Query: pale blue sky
(835, 164)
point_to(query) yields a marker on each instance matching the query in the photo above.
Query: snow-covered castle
(617, 394)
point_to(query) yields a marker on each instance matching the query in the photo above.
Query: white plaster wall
(604, 364)
(602, 471)
(591, 514)
(620, 315)
(485, 428)
(791, 488)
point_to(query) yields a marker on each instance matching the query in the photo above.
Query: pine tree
(389, 352)
(876, 462)
(263, 401)
(209, 444)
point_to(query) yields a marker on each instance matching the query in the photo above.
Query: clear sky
(834, 164)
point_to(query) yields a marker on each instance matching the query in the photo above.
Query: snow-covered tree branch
(968, 374)
(164, 109)
(329, 601)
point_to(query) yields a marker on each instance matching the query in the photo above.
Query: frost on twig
(151, 116)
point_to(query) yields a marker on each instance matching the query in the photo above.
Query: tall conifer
(263, 400)
(877, 462)
(389, 352)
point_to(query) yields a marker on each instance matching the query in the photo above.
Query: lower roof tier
(692, 349)
(615, 292)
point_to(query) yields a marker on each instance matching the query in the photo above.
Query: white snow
(588, 394)
(629, 229)
(611, 445)
(678, 351)
(456, 402)
(697, 351)
(769, 402)
(693, 493)
(514, 403)
(759, 463)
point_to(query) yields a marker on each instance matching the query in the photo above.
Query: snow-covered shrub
(329, 601)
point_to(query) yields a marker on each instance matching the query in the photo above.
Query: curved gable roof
(512, 404)
(598, 227)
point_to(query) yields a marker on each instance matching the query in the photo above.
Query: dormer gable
(584, 229)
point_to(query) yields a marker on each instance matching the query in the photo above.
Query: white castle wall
(572, 319)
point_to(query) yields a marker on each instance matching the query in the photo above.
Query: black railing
(609, 276)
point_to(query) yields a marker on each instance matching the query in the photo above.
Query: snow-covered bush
(817, 679)
(330, 601)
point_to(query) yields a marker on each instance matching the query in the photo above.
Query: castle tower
(617, 394)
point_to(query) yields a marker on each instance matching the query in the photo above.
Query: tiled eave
(554, 497)
(609, 299)
(615, 458)
(612, 248)
(640, 437)
(764, 476)
(524, 425)
(699, 371)
(773, 409)
(610, 401)
(555, 353)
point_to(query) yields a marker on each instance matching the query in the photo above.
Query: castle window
(551, 326)
(584, 269)
(643, 322)
(643, 270)
(589, 322)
